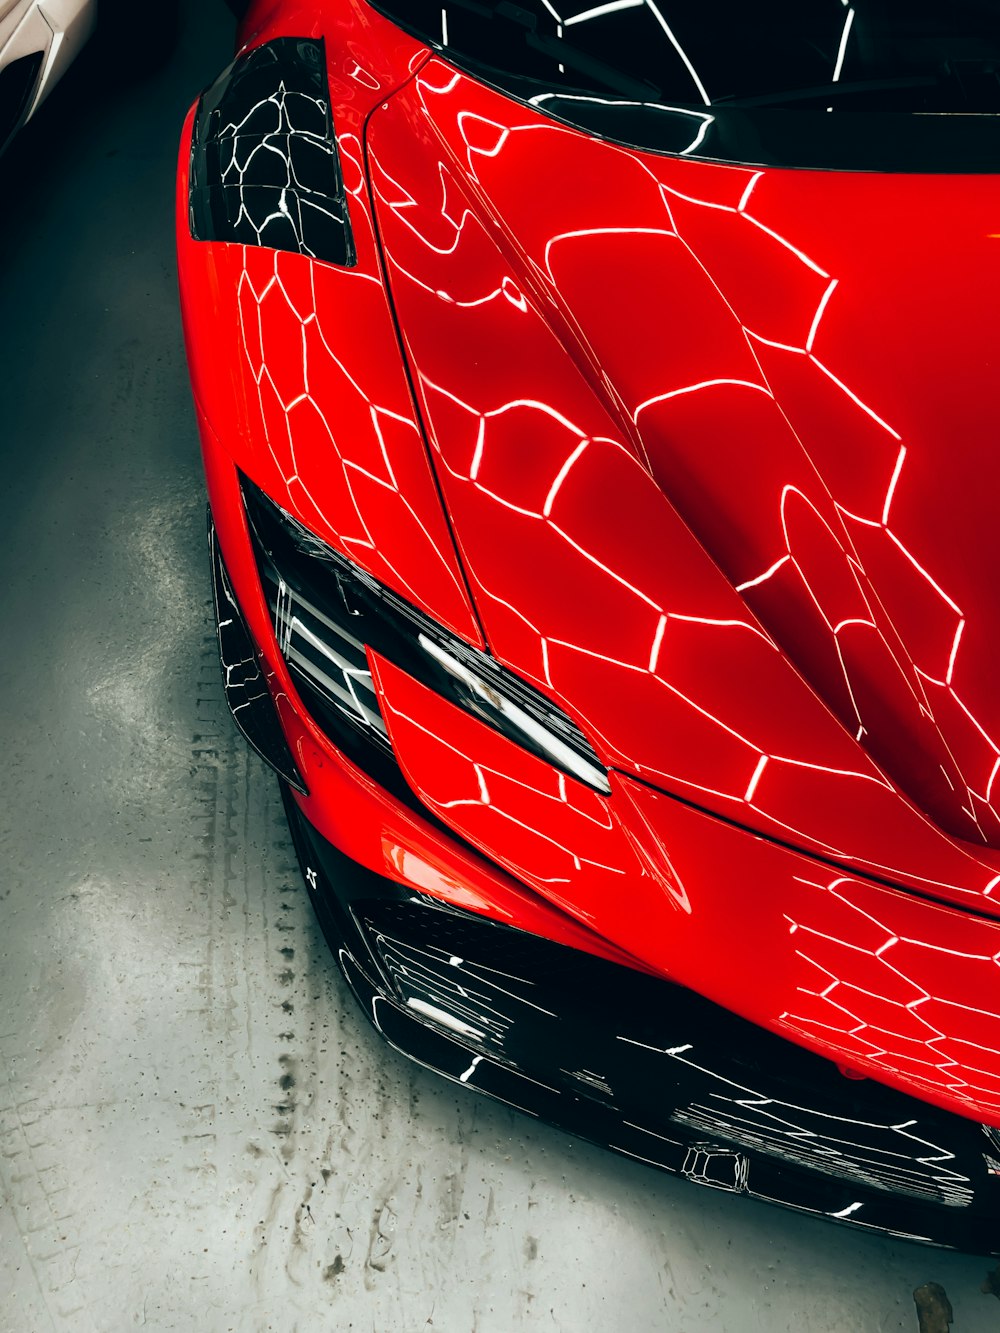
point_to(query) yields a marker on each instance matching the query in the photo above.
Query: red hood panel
(715, 449)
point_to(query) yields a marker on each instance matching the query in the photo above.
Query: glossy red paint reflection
(296, 365)
(704, 453)
(901, 989)
(594, 429)
(550, 831)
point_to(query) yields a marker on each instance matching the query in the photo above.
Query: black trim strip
(247, 694)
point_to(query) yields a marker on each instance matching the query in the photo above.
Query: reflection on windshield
(903, 55)
(647, 65)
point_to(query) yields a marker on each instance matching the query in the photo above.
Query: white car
(38, 40)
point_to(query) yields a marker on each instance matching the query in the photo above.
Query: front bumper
(619, 1057)
(647, 1068)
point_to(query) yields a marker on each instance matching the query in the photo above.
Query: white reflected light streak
(841, 54)
(557, 749)
(814, 329)
(699, 138)
(762, 578)
(892, 485)
(653, 9)
(601, 10)
(443, 1018)
(563, 473)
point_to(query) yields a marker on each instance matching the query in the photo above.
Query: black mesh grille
(659, 1054)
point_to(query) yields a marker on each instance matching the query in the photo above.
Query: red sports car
(600, 417)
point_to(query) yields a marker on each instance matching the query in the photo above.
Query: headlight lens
(326, 611)
(264, 163)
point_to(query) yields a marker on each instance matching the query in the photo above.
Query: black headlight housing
(264, 164)
(326, 610)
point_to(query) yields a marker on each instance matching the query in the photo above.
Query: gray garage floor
(197, 1131)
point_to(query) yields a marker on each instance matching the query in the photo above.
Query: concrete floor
(197, 1130)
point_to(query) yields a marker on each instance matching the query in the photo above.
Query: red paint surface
(717, 448)
(635, 437)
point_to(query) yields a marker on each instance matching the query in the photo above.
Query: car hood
(718, 448)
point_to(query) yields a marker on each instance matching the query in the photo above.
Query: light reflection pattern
(888, 999)
(296, 366)
(493, 1010)
(885, 1157)
(737, 410)
(329, 404)
(309, 411)
(554, 833)
(896, 987)
(700, 659)
(243, 680)
(892, 986)
(264, 168)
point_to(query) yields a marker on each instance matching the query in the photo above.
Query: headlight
(326, 611)
(264, 163)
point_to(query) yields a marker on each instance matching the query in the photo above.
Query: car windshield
(611, 67)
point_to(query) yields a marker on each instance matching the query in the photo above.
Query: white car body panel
(56, 29)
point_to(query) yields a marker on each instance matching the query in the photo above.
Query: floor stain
(332, 1271)
(934, 1311)
(382, 1235)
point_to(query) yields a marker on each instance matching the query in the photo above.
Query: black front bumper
(646, 1067)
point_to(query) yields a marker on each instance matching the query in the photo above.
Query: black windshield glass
(871, 84)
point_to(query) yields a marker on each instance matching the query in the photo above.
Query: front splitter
(647, 1068)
